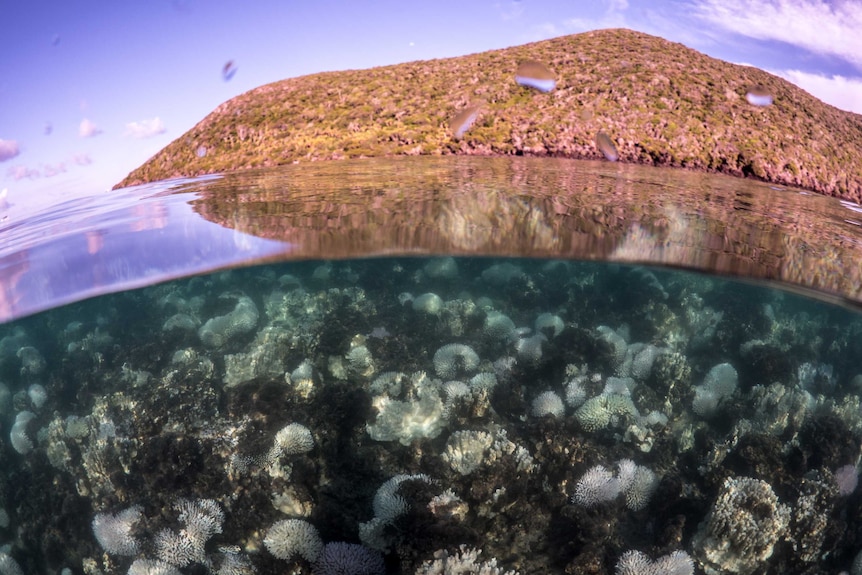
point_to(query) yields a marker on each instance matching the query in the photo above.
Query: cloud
(8, 150)
(841, 92)
(88, 129)
(613, 17)
(82, 159)
(543, 32)
(829, 28)
(20, 172)
(512, 10)
(145, 128)
(49, 170)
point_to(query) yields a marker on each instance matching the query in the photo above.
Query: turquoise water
(429, 413)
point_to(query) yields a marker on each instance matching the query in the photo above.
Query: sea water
(448, 412)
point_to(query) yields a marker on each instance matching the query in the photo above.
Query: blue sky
(90, 89)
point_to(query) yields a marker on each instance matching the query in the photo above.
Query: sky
(90, 89)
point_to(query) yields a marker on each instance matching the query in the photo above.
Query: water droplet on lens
(606, 146)
(535, 75)
(758, 96)
(228, 71)
(202, 151)
(463, 120)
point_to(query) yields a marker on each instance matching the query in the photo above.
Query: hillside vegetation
(660, 102)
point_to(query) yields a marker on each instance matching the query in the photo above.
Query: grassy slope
(662, 103)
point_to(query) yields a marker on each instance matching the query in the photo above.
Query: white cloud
(145, 128)
(512, 10)
(88, 129)
(543, 32)
(8, 150)
(841, 92)
(824, 27)
(613, 17)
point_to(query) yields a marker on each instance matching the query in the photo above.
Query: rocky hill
(660, 102)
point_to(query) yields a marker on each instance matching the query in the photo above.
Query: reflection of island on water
(546, 208)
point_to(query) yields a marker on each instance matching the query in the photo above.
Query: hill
(661, 103)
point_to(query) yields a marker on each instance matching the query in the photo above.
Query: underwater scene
(433, 416)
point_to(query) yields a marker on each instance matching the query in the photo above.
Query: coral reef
(515, 420)
(742, 528)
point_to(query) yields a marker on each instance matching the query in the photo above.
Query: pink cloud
(8, 150)
(82, 159)
(88, 129)
(20, 172)
(49, 170)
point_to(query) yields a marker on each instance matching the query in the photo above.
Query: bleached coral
(638, 483)
(114, 531)
(292, 439)
(264, 359)
(388, 383)
(639, 360)
(180, 322)
(608, 407)
(498, 326)
(549, 324)
(441, 268)
(177, 548)
(32, 361)
(38, 396)
(597, 485)
(360, 362)
(466, 450)
(219, 330)
(152, 567)
(388, 505)
(816, 378)
(742, 528)
(454, 359)
(576, 393)
(547, 403)
(448, 505)
(483, 380)
(406, 421)
(8, 566)
(429, 303)
(636, 563)
(464, 561)
(201, 518)
(290, 537)
(529, 348)
(617, 342)
(18, 437)
(230, 561)
(718, 385)
(502, 273)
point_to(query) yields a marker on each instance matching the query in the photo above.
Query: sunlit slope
(661, 103)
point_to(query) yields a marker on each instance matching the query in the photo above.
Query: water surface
(537, 207)
(447, 365)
